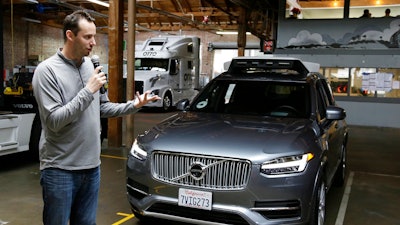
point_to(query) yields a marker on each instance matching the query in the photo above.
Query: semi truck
(169, 67)
(20, 127)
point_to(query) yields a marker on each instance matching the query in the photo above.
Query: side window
(328, 92)
(190, 48)
(174, 67)
(322, 100)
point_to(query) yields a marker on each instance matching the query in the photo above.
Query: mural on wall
(362, 36)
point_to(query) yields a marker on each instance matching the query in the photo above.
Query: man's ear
(69, 34)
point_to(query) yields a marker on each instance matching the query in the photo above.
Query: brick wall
(24, 40)
(32, 39)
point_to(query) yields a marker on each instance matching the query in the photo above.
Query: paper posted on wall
(377, 81)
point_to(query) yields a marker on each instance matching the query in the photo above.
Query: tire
(167, 102)
(340, 174)
(318, 212)
(34, 140)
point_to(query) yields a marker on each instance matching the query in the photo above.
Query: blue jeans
(70, 196)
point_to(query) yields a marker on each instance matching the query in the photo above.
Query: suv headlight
(286, 165)
(138, 152)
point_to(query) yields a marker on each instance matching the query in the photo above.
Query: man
(366, 14)
(66, 87)
(387, 13)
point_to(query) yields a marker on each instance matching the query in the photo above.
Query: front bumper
(264, 201)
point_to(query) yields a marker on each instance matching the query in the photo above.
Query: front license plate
(195, 199)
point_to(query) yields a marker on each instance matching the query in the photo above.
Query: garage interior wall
(34, 42)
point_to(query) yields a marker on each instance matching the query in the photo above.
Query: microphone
(96, 62)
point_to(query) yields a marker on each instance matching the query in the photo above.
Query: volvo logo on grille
(197, 170)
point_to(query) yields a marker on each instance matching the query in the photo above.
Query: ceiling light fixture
(30, 20)
(230, 32)
(105, 4)
(32, 1)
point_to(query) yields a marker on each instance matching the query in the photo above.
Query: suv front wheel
(318, 210)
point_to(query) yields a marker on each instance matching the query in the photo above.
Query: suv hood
(229, 135)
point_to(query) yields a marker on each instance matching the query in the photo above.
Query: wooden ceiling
(159, 15)
(259, 16)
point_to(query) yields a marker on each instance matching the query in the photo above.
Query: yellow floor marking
(127, 217)
(113, 157)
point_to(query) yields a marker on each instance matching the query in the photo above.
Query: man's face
(84, 39)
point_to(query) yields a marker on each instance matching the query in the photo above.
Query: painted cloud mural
(362, 37)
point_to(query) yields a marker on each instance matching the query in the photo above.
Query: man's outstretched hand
(143, 99)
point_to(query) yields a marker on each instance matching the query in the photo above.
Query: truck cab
(168, 66)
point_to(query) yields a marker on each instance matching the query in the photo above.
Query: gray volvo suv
(261, 144)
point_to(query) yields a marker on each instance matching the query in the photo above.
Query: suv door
(331, 131)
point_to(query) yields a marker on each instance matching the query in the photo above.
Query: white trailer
(20, 127)
(168, 66)
(19, 133)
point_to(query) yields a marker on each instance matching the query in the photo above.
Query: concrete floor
(371, 194)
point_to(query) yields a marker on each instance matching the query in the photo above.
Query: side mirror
(183, 104)
(335, 113)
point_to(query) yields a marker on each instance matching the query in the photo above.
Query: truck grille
(210, 172)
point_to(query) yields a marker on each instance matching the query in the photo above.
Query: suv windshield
(266, 98)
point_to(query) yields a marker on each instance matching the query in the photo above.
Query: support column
(115, 91)
(241, 42)
(130, 80)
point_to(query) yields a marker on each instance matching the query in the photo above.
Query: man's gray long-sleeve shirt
(70, 114)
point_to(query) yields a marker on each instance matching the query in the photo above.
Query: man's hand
(97, 80)
(144, 98)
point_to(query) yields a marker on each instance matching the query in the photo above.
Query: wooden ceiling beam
(195, 14)
(160, 14)
(178, 27)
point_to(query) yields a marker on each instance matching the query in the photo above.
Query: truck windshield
(151, 64)
(276, 99)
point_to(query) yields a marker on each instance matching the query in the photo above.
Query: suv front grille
(210, 172)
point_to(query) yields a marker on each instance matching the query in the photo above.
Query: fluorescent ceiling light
(32, 1)
(31, 20)
(230, 32)
(105, 4)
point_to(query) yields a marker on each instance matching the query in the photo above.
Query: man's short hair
(71, 22)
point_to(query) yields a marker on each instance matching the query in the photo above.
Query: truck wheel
(167, 102)
(35, 138)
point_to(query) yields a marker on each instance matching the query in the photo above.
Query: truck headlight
(286, 165)
(138, 152)
(155, 92)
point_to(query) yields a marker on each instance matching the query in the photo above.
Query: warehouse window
(334, 9)
(364, 82)
(314, 9)
(358, 8)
